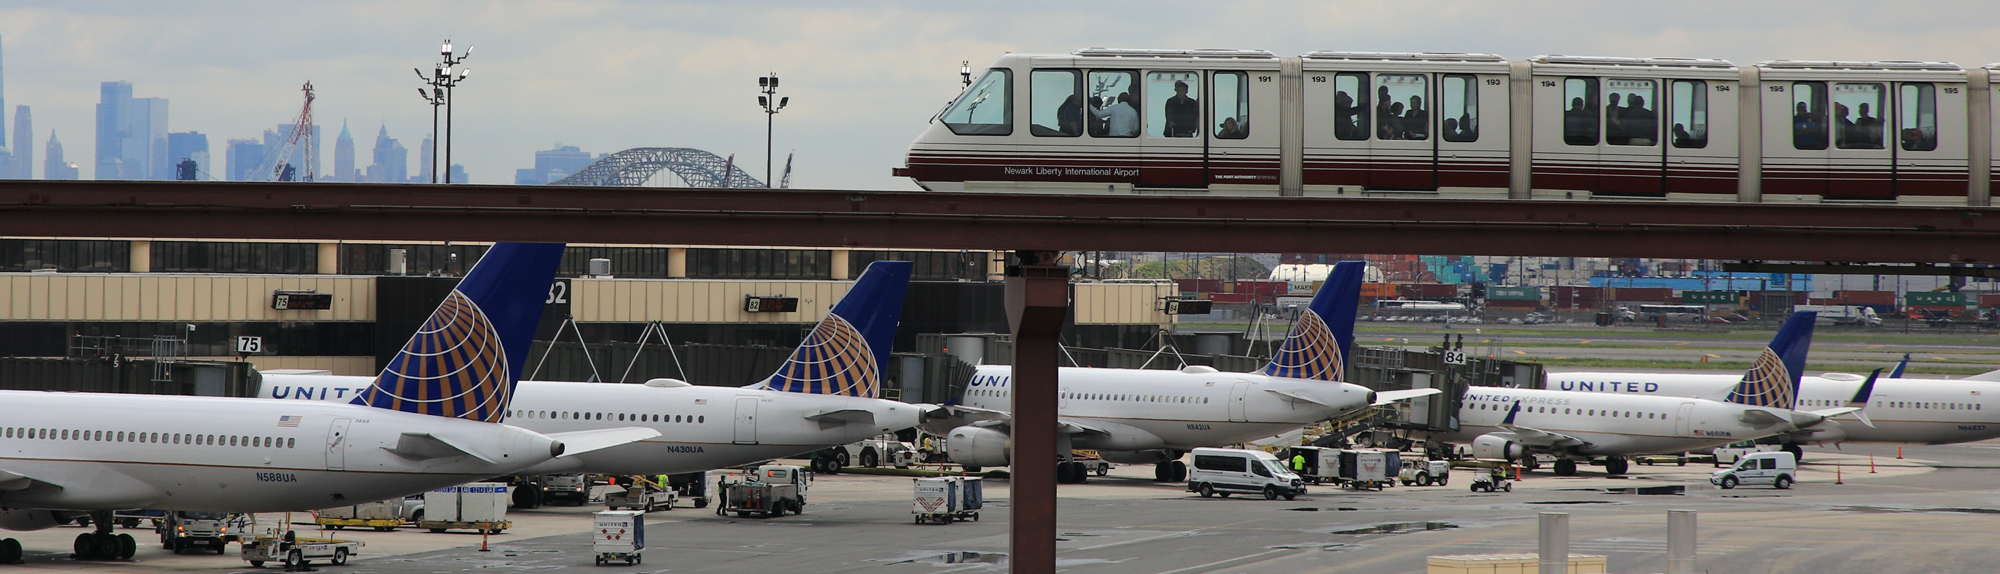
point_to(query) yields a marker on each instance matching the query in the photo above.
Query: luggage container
(937, 500)
(1369, 468)
(474, 506)
(620, 536)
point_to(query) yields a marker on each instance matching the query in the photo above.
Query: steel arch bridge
(632, 167)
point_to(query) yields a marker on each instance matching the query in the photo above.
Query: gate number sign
(247, 345)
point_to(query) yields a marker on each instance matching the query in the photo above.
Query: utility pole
(441, 81)
(771, 103)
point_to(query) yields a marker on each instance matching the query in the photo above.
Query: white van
(1229, 470)
(1777, 469)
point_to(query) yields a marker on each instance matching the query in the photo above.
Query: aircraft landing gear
(1798, 454)
(1616, 465)
(1565, 467)
(1071, 472)
(10, 551)
(102, 544)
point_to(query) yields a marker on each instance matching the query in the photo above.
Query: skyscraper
(392, 161)
(131, 135)
(425, 158)
(24, 145)
(54, 167)
(245, 158)
(343, 156)
(190, 145)
(553, 164)
(3, 105)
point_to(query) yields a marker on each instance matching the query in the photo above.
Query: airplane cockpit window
(1917, 120)
(985, 108)
(1580, 111)
(1460, 113)
(1351, 96)
(1857, 115)
(1177, 115)
(1055, 98)
(1690, 115)
(1637, 121)
(1232, 105)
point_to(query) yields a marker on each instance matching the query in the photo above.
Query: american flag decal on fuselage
(1310, 352)
(455, 366)
(289, 420)
(834, 360)
(1768, 384)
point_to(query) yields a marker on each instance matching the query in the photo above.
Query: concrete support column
(1680, 542)
(839, 264)
(1037, 300)
(677, 262)
(142, 257)
(1554, 547)
(329, 258)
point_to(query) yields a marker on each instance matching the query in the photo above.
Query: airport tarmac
(1929, 512)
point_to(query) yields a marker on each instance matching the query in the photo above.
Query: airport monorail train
(1357, 124)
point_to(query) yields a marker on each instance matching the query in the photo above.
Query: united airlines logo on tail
(1768, 384)
(1310, 352)
(834, 360)
(454, 367)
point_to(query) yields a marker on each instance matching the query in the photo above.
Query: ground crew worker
(662, 482)
(1299, 463)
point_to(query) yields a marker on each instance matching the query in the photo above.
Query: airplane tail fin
(1317, 346)
(1773, 380)
(1898, 373)
(465, 360)
(845, 353)
(1860, 400)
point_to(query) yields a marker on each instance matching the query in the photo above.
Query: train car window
(1460, 113)
(1690, 114)
(1580, 115)
(1631, 112)
(1056, 100)
(1114, 104)
(1809, 115)
(986, 109)
(1232, 105)
(1917, 117)
(1351, 98)
(1857, 115)
(1400, 110)
(1177, 115)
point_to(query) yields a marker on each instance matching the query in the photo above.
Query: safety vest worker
(1299, 463)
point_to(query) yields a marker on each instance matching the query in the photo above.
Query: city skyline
(863, 79)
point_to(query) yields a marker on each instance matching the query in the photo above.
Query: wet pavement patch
(960, 557)
(1889, 510)
(1317, 509)
(1573, 502)
(1399, 528)
(1651, 490)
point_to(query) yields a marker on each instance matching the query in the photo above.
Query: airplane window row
(1583, 412)
(1930, 405)
(152, 438)
(1137, 398)
(621, 417)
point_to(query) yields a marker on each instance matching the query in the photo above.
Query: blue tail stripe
(845, 353)
(465, 360)
(1773, 380)
(1317, 346)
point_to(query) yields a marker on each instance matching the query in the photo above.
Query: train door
(1402, 153)
(1860, 164)
(1174, 141)
(1464, 159)
(1569, 112)
(1700, 138)
(1240, 151)
(1339, 124)
(1929, 165)
(1630, 157)
(1111, 123)
(1796, 138)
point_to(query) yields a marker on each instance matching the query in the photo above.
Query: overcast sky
(863, 77)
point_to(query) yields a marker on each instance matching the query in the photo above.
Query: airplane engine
(1155, 456)
(977, 446)
(20, 520)
(1493, 447)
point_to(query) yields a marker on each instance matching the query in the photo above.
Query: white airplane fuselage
(1611, 424)
(1905, 411)
(1179, 410)
(701, 428)
(88, 451)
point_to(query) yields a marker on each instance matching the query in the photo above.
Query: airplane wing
(1296, 398)
(10, 480)
(1760, 418)
(1072, 427)
(840, 417)
(423, 445)
(1387, 397)
(940, 419)
(579, 442)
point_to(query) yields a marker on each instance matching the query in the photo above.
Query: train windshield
(985, 108)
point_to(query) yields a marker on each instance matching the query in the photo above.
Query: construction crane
(300, 139)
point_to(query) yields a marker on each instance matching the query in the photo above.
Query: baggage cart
(619, 536)
(298, 553)
(643, 495)
(478, 506)
(936, 500)
(768, 491)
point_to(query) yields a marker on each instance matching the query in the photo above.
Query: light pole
(448, 80)
(435, 96)
(771, 104)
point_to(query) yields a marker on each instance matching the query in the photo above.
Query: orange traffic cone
(1871, 463)
(1899, 453)
(1836, 474)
